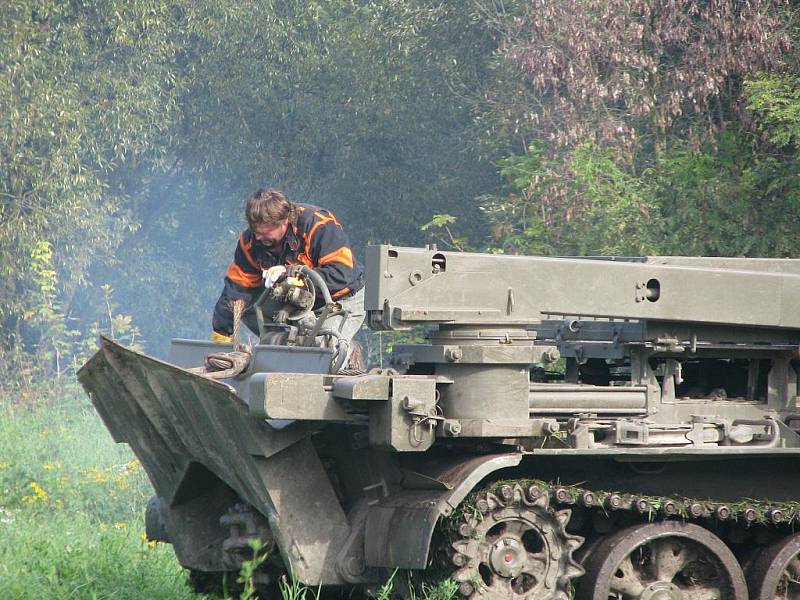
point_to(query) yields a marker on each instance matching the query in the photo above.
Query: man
(283, 233)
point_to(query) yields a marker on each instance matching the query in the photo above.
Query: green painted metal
(531, 365)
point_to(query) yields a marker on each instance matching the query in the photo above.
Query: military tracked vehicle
(603, 427)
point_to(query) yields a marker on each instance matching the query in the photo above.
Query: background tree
(131, 132)
(88, 94)
(627, 104)
(357, 106)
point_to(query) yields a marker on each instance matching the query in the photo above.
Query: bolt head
(507, 557)
(507, 492)
(534, 492)
(355, 566)
(452, 428)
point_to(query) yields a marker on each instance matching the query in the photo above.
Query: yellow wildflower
(96, 475)
(150, 543)
(39, 494)
(120, 525)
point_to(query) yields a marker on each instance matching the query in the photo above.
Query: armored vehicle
(603, 427)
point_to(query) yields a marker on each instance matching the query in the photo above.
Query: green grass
(72, 515)
(72, 512)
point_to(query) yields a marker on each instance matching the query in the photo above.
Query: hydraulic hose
(319, 282)
(342, 349)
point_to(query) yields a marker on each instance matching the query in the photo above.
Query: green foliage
(439, 221)
(60, 557)
(444, 590)
(358, 106)
(775, 102)
(291, 94)
(249, 568)
(728, 201)
(291, 589)
(605, 209)
(440, 224)
(88, 95)
(379, 345)
(131, 132)
(45, 314)
(618, 208)
(642, 141)
(385, 591)
(58, 349)
(118, 327)
(66, 491)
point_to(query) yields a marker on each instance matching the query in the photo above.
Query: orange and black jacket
(316, 240)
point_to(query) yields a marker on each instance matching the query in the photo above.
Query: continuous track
(528, 539)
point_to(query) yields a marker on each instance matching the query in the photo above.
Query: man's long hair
(269, 206)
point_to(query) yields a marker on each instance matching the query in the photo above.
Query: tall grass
(72, 516)
(72, 511)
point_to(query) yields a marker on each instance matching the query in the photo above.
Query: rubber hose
(319, 282)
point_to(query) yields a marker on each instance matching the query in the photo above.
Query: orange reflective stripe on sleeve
(342, 256)
(237, 275)
(246, 250)
(330, 217)
(340, 293)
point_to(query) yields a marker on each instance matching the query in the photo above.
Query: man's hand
(273, 274)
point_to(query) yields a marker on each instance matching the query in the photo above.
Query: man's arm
(333, 259)
(242, 281)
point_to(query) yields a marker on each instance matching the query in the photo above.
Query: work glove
(272, 275)
(220, 338)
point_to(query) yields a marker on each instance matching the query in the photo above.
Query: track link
(747, 512)
(488, 538)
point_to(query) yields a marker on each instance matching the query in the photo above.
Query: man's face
(271, 235)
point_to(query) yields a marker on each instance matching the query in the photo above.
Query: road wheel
(774, 574)
(670, 560)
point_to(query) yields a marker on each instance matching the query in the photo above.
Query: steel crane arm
(412, 286)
